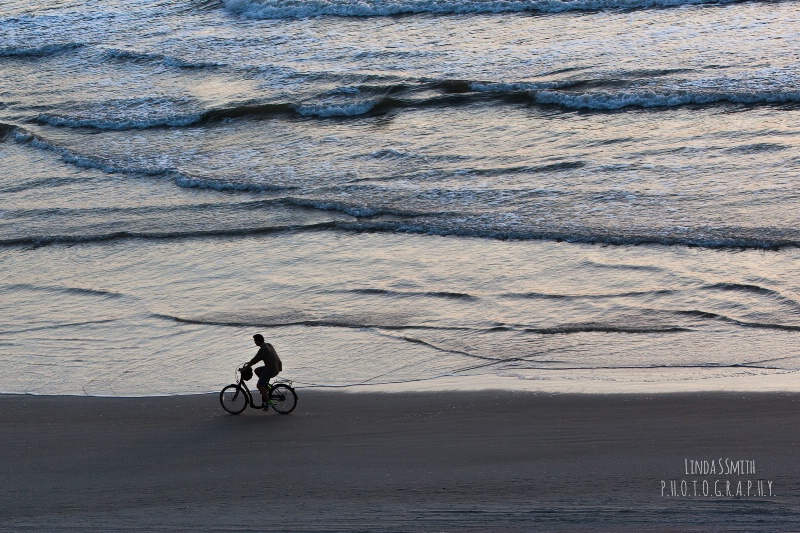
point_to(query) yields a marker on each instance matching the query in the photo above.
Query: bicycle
(236, 396)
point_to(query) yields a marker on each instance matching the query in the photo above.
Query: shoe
(265, 406)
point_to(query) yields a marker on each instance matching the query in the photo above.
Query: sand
(449, 461)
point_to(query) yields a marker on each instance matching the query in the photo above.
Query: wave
(349, 324)
(282, 9)
(741, 287)
(603, 101)
(128, 114)
(604, 328)
(357, 211)
(553, 296)
(754, 289)
(5, 131)
(325, 323)
(121, 212)
(722, 318)
(757, 148)
(403, 294)
(44, 50)
(360, 226)
(136, 56)
(624, 266)
(367, 218)
(50, 327)
(236, 111)
(528, 169)
(37, 184)
(512, 87)
(480, 94)
(25, 137)
(573, 94)
(68, 290)
(119, 125)
(362, 223)
(187, 182)
(347, 109)
(700, 241)
(249, 111)
(47, 240)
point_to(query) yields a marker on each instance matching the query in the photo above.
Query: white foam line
(336, 110)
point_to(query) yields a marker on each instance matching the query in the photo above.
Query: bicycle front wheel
(233, 399)
(283, 397)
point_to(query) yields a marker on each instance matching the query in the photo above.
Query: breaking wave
(131, 115)
(282, 9)
(119, 124)
(348, 109)
(136, 56)
(90, 162)
(38, 51)
(612, 101)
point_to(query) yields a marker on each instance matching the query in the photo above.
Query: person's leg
(263, 388)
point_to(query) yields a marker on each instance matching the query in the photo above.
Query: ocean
(587, 195)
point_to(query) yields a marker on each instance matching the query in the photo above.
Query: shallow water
(137, 317)
(564, 195)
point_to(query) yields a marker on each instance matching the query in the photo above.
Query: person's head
(258, 338)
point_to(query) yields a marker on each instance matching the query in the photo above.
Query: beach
(437, 461)
(531, 265)
(575, 196)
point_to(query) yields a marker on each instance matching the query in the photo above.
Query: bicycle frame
(243, 384)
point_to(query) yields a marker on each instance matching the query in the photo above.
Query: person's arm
(258, 357)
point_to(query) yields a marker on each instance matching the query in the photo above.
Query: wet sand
(449, 461)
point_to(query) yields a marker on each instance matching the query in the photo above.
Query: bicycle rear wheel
(283, 398)
(233, 399)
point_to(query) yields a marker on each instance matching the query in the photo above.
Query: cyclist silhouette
(272, 366)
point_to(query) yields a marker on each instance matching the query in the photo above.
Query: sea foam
(348, 109)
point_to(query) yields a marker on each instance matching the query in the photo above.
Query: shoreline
(433, 461)
(580, 382)
(630, 381)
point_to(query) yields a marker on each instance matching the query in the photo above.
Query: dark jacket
(272, 363)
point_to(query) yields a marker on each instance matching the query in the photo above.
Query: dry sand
(451, 461)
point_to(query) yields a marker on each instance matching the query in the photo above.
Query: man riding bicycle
(272, 367)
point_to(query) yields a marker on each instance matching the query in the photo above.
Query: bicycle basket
(247, 373)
